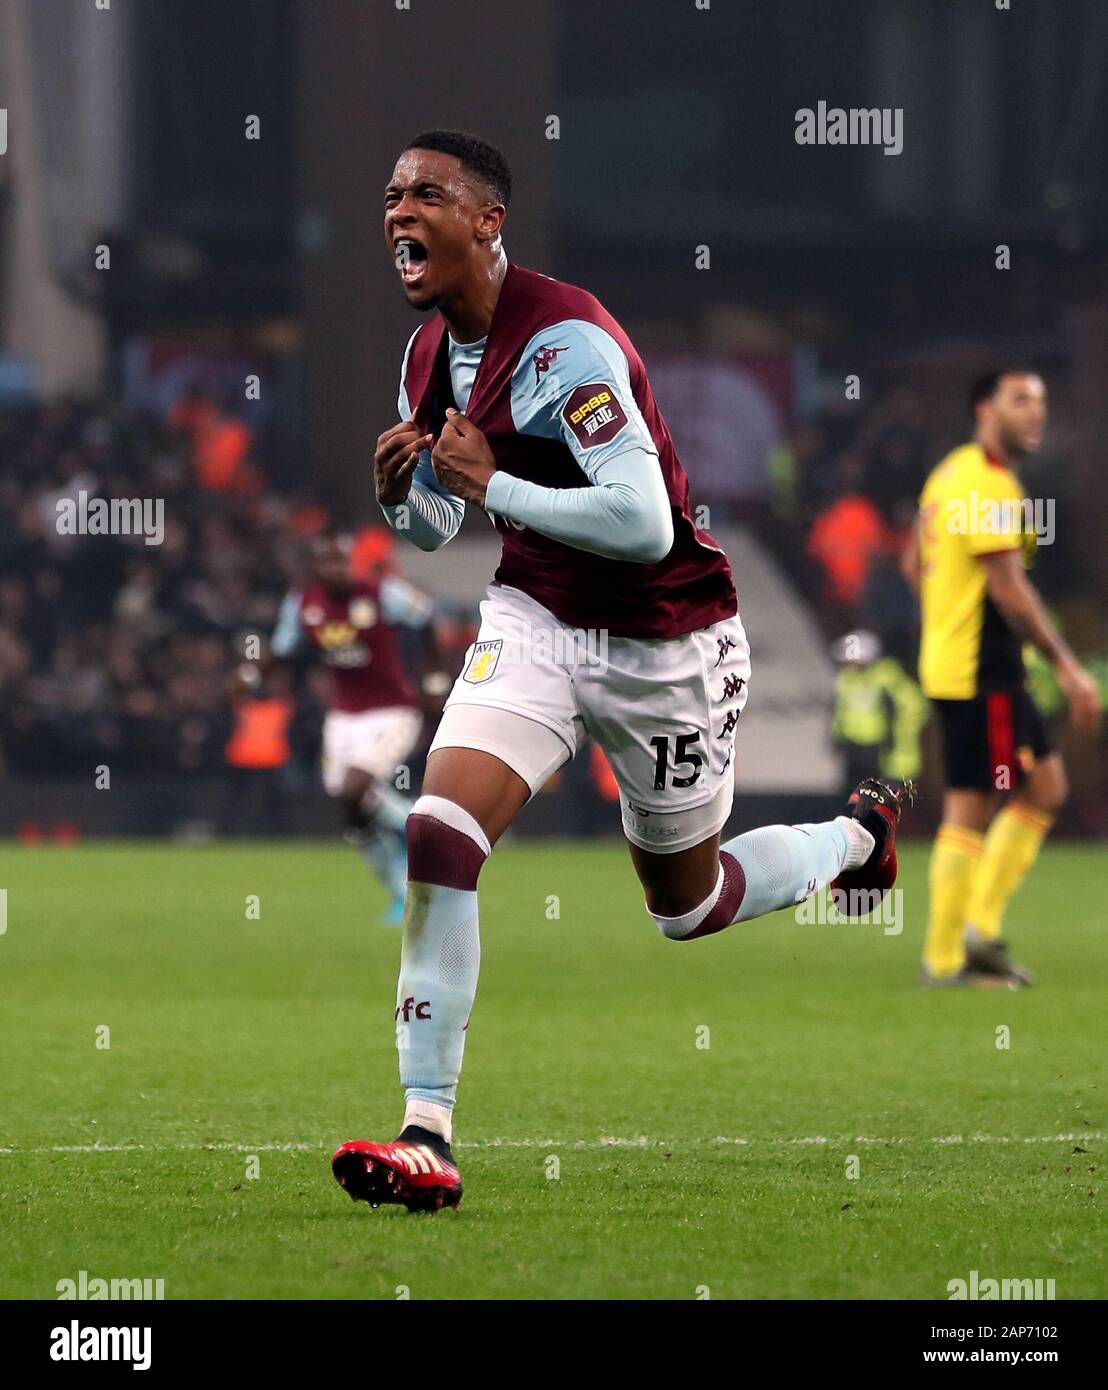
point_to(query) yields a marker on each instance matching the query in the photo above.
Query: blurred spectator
(221, 443)
(374, 553)
(600, 770)
(256, 753)
(847, 536)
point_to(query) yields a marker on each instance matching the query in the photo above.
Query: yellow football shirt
(970, 506)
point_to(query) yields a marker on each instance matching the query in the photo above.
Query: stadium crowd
(113, 651)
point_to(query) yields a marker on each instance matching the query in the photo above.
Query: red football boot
(877, 806)
(417, 1169)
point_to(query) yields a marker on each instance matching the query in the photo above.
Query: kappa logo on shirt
(544, 359)
(594, 414)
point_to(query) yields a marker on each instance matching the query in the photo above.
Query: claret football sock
(441, 957)
(772, 867)
(1010, 848)
(954, 861)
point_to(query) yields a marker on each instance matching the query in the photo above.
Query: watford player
(374, 718)
(522, 396)
(968, 562)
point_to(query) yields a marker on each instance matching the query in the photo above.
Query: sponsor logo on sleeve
(594, 414)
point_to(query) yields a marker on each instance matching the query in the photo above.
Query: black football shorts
(991, 743)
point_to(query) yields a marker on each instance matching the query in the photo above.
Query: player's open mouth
(411, 260)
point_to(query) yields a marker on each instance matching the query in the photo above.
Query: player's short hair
(475, 154)
(985, 387)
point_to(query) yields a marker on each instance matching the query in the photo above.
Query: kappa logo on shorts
(725, 645)
(729, 723)
(594, 414)
(482, 663)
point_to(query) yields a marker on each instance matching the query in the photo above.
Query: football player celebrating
(523, 396)
(374, 720)
(977, 608)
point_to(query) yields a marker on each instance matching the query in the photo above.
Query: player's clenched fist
(462, 459)
(395, 459)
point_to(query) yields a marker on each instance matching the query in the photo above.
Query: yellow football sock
(954, 860)
(1011, 846)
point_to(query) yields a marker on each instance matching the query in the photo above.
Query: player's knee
(711, 914)
(690, 926)
(1057, 795)
(446, 845)
(662, 904)
(1049, 791)
(671, 926)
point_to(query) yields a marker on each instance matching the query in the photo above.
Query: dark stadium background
(232, 257)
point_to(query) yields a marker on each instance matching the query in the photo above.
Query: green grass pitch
(242, 1044)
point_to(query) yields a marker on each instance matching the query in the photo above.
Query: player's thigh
(1041, 772)
(338, 746)
(969, 809)
(478, 782)
(355, 784)
(665, 714)
(1045, 785)
(674, 884)
(491, 761)
(970, 746)
(511, 718)
(515, 665)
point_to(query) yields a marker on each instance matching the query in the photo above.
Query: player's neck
(469, 316)
(993, 447)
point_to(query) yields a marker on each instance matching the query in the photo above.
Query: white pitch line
(609, 1142)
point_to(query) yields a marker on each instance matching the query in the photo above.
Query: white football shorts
(375, 741)
(533, 690)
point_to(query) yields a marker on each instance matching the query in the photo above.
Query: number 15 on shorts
(672, 755)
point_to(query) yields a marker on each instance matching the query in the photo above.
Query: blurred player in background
(968, 562)
(374, 719)
(561, 442)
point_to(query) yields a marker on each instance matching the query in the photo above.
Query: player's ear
(490, 219)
